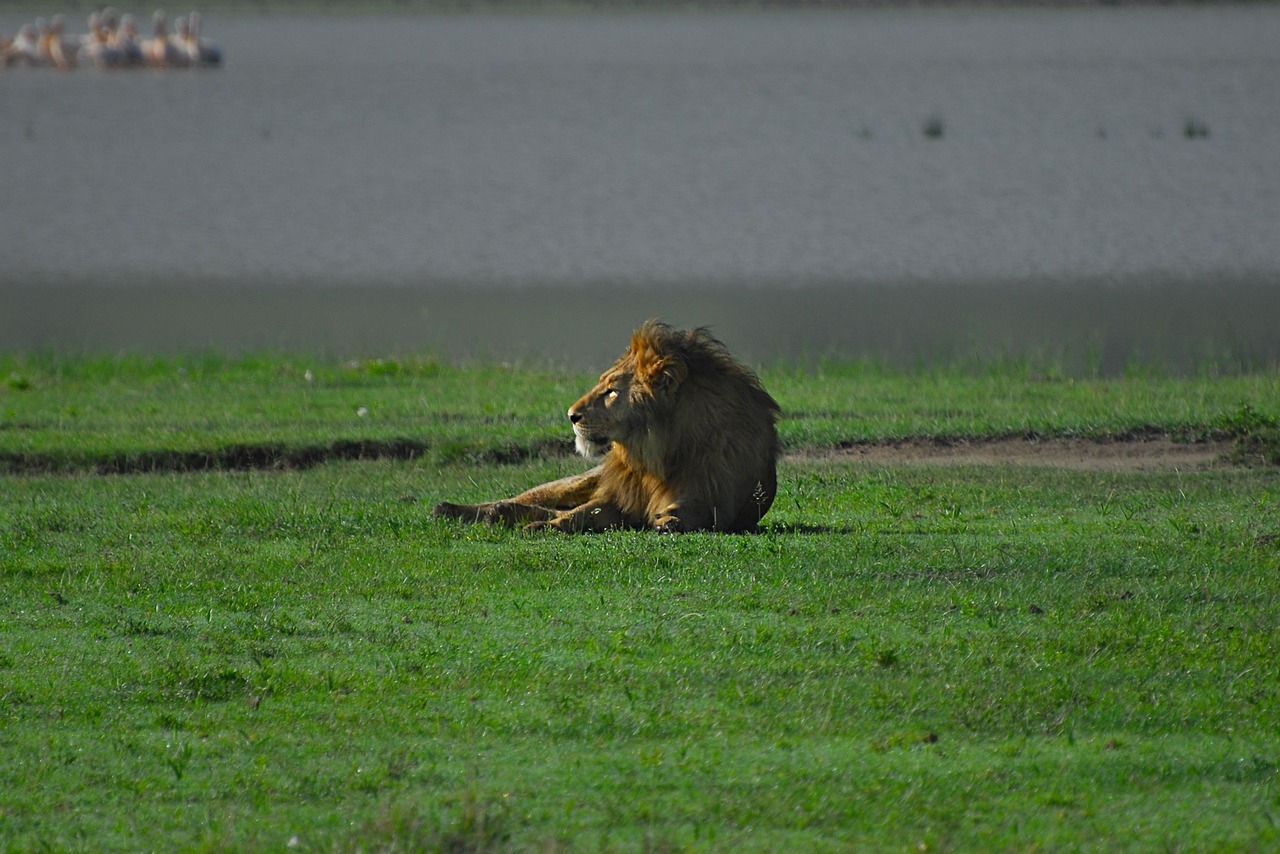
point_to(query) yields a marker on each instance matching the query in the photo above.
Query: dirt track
(1132, 452)
(1142, 453)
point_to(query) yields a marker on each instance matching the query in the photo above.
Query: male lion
(688, 438)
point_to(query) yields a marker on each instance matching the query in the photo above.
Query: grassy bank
(260, 652)
(124, 414)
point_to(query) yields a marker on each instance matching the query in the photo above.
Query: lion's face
(603, 414)
(631, 397)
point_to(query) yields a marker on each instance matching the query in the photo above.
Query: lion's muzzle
(591, 447)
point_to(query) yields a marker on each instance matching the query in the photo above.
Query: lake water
(894, 183)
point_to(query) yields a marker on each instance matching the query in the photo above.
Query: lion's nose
(574, 417)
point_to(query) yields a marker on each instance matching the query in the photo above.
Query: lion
(688, 437)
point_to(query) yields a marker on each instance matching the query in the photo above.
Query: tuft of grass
(1257, 435)
(468, 824)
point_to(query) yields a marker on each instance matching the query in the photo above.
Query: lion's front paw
(668, 524)
(546, 525)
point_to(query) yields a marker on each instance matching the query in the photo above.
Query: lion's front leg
(494, 512)
(697, 515)
(676, 522)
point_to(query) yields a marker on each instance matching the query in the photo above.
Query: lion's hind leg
(565, 493)
(511, 513)
(540, 504)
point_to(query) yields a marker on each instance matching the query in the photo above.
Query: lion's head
(631, 395)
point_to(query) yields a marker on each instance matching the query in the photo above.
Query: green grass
(905, 658)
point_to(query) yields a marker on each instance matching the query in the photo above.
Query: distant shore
(272, 7)
(1179, 326)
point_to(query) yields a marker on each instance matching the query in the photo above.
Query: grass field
(230, 624)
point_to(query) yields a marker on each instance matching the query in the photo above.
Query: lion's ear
(658, 371)
(665, 374)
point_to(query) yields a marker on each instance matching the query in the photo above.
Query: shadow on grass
(270, 457)
(798, 529)
(241, 457)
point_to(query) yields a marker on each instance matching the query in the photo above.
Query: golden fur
(689, 441)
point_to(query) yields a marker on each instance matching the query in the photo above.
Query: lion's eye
(611, 392)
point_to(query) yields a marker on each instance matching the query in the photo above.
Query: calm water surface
(429, 181)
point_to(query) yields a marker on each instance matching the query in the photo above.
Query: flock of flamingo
(112, 42)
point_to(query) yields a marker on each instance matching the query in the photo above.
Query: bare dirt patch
(1127, 453)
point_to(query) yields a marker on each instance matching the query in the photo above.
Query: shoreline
(268, 8)
(1098, 327)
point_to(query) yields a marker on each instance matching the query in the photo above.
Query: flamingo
(126, 41)
(24, 48)
(182, 38)
(160, 50)
(95, 45)
(109, 19)
(53, 47)
(94, 36)
(207, 52)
